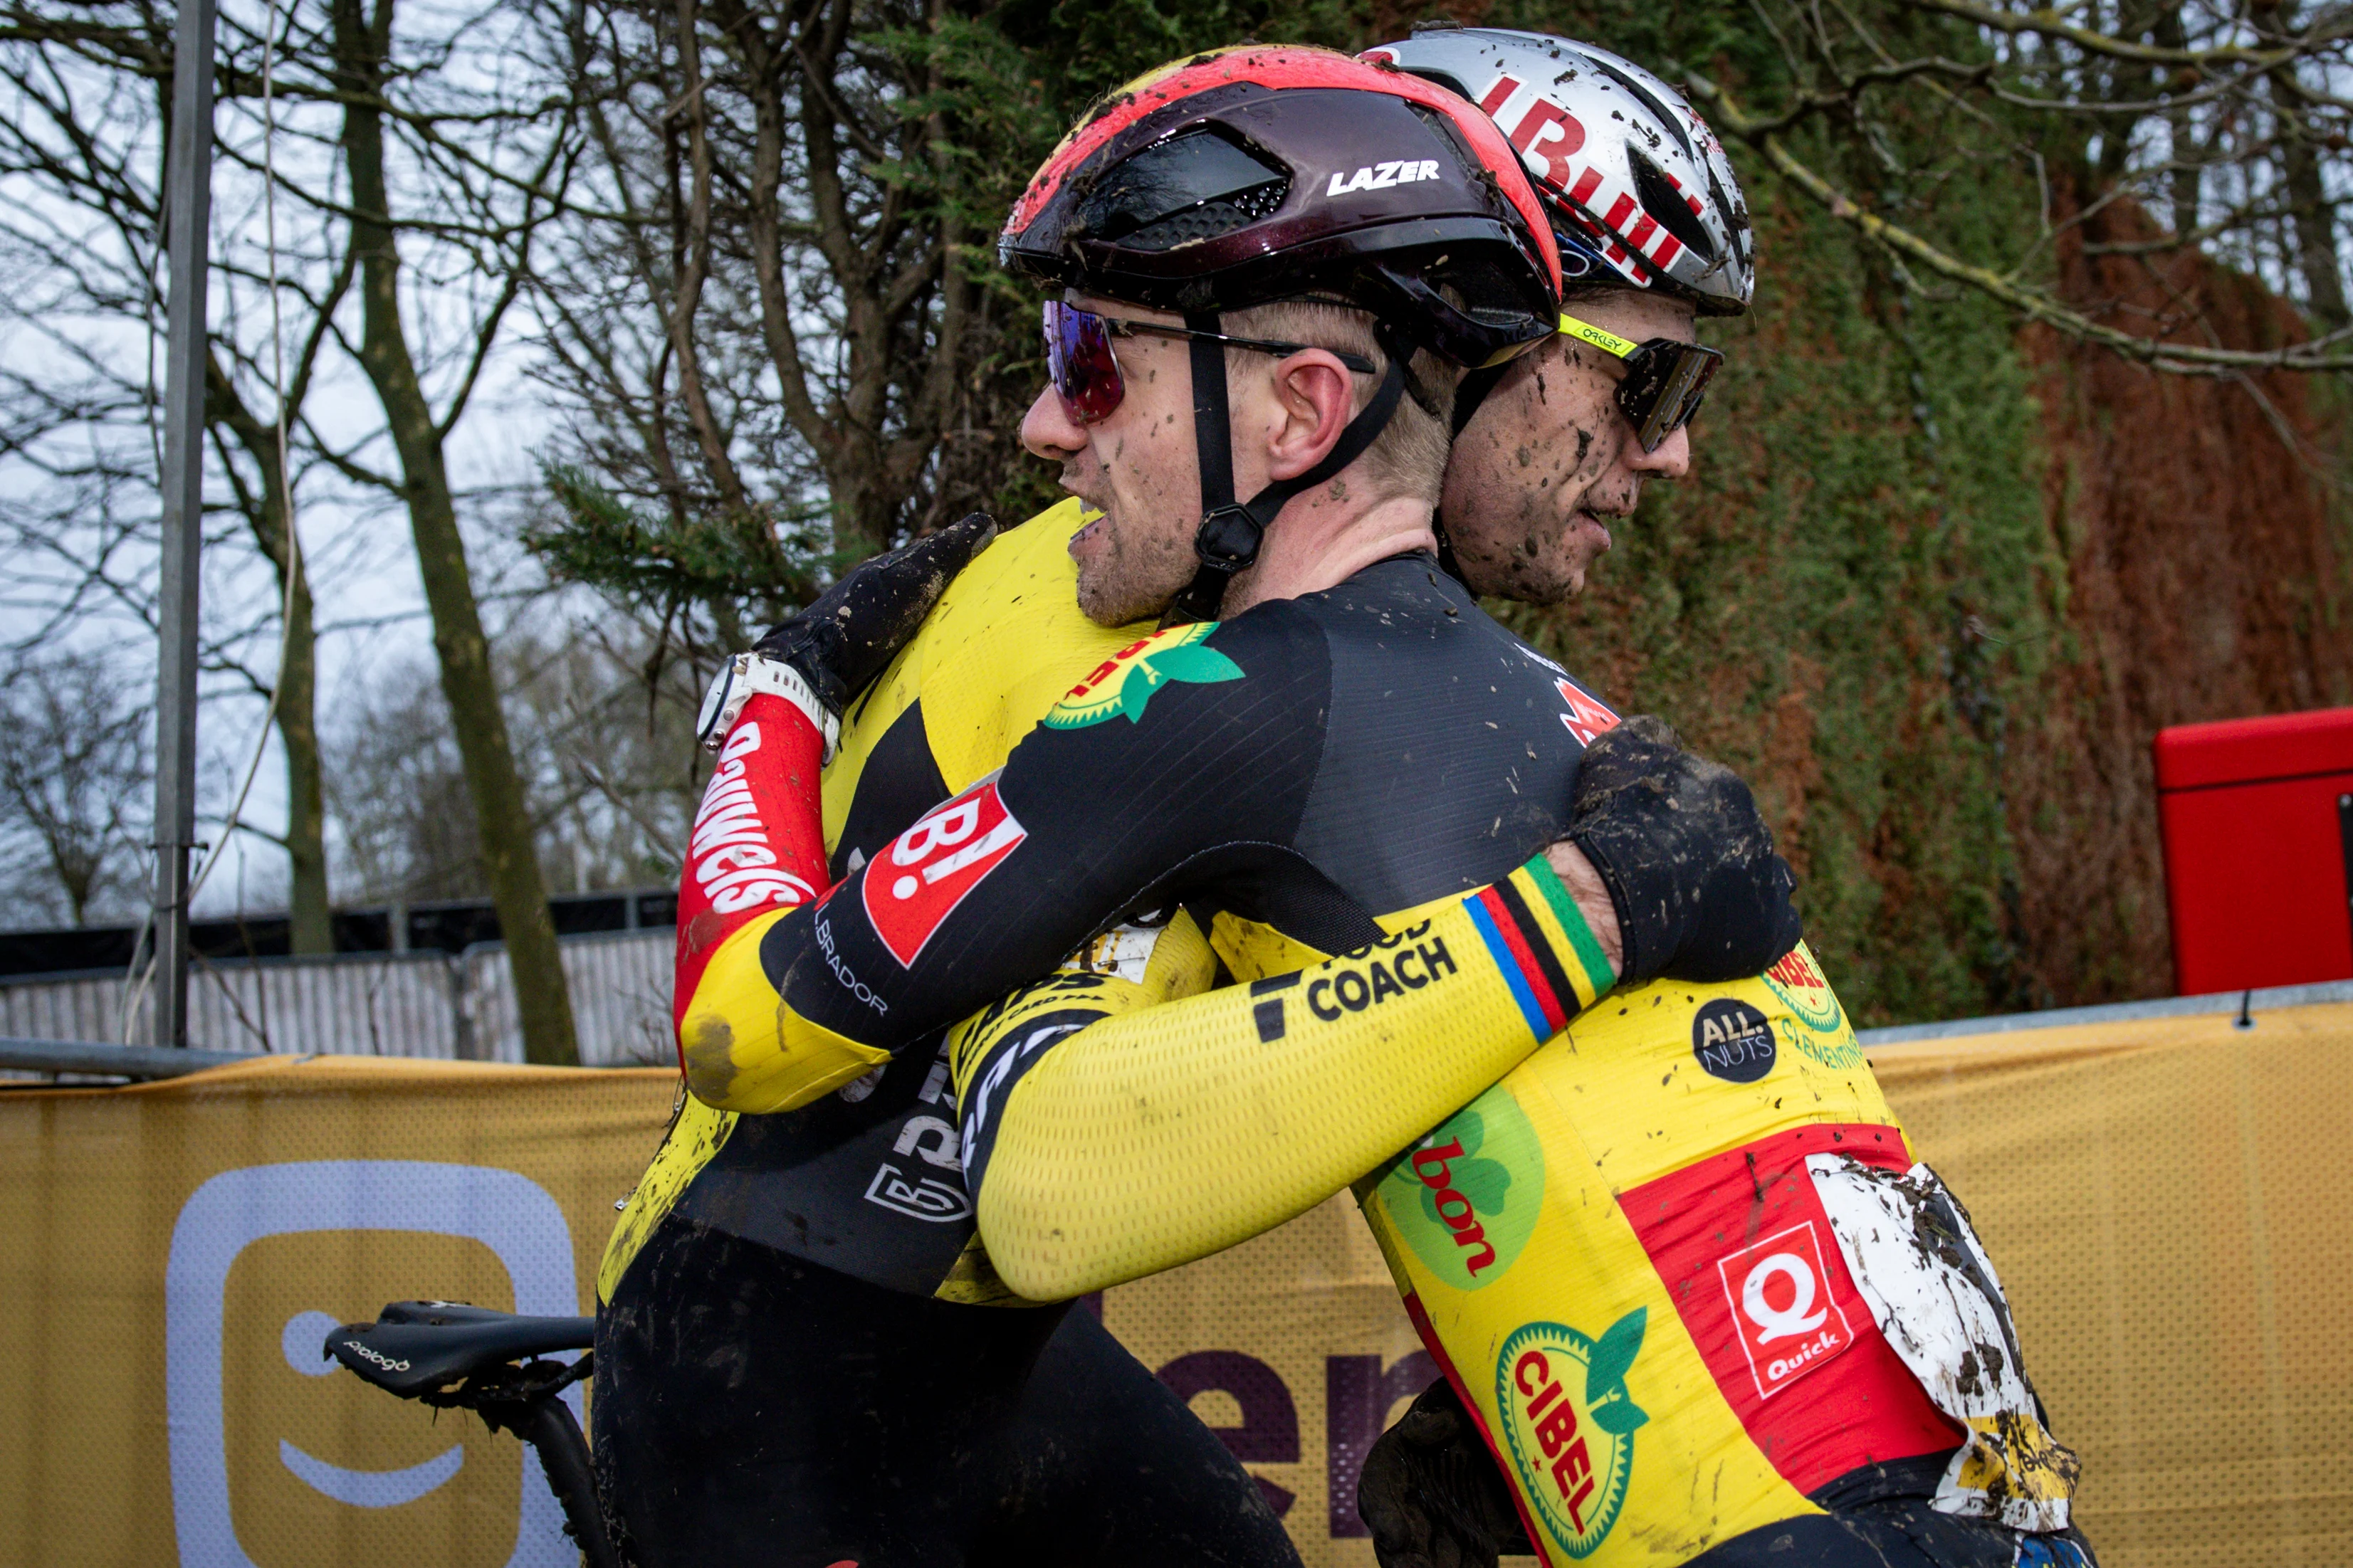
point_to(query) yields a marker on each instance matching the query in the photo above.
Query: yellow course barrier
(2164, 1198)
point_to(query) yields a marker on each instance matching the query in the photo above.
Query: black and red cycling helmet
(1252, 174)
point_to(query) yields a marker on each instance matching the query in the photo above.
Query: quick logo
(1779, 1293)
(1465, 1198)
(1569, 1423)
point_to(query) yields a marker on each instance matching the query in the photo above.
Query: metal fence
(384, 1004)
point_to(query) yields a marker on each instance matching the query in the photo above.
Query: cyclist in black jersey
(1301, 768)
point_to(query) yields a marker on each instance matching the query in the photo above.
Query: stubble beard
(1128, 579)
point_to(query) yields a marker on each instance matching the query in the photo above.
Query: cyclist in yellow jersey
(1531, 939)
(717, 1440)
(1683, 1245)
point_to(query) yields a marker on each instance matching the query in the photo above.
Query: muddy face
(1548, 462)
(1138, 468)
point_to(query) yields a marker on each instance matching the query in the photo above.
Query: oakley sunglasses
(1664, 380)
(1085, 372)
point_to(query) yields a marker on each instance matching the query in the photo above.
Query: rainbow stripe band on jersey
(1528, 946)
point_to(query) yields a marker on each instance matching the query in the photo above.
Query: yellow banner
(2163, 1199)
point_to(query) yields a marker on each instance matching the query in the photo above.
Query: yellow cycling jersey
(1626, 1253)
(1660, 1260)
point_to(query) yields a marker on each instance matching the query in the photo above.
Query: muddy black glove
(1689, 863)
(856, 627)
(1430, 1492)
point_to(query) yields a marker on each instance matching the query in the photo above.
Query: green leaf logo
(1126, 684)
(1619, 1416)
(1613, 1353)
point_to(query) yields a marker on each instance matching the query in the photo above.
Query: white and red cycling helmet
(1638, 185)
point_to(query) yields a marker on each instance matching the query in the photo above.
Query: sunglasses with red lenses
(1085, 372)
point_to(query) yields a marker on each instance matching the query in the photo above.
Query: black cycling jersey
(1303, 767)
(1287, 774)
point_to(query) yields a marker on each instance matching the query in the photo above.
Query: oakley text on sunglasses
(1664, 380)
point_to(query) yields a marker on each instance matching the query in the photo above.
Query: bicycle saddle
(418, 1348)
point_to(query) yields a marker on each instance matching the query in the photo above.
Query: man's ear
(1316, 397)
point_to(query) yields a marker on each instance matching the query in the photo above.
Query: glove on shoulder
(1690, 865)
(854, 629)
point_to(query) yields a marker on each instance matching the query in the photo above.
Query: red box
(2258, 821)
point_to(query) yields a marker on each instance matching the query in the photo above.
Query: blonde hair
(1409, 457)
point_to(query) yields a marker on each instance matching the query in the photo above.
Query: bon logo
(1466, 1198)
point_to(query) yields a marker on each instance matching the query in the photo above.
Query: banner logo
(1123, 683)
(507, 1213)
(1790, 1323)
(914, 885)
(1465, 1199)
(1570, 1423)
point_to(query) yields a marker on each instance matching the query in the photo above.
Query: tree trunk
(310, 919)
(518, 891)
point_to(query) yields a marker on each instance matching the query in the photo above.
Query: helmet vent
(1207, 221)
(1669, 122)
(1664, 201)
(1190, 187)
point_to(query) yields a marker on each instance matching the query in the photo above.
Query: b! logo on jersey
(1585, 717)
(1570, 1423)
(1790, 1323)
(918, 881)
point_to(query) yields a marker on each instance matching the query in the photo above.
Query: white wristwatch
(750, 675)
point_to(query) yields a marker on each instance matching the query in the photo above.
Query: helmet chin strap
(1232, 531)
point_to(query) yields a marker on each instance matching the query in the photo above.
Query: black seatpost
(546, 1424)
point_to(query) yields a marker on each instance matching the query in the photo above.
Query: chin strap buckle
(1228, 537)
(1227, 541)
